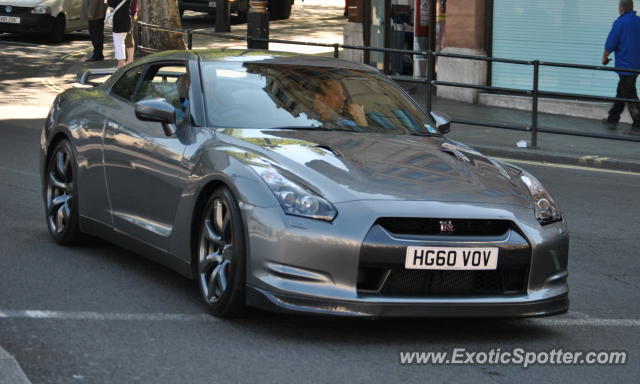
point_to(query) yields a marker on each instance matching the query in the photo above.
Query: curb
(10, 371)
(593, 161)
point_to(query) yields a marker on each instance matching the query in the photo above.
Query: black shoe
(612, 125)
(95, 58)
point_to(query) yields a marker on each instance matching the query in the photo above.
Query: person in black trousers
(94, 11)
(624, 40)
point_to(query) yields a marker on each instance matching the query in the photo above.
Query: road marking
(568, 166)
(10, 369)
(587, 322)
(61, 315)
(97, 316)
(20, 172)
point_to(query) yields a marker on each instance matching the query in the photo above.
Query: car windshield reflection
(261, 95)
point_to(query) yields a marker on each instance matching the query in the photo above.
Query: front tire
(221, 255)
(57, 30)
(60, 195)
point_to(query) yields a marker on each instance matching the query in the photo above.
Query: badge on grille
(8, 9)
(446, 226)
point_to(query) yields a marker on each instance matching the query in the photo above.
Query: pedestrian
(129, 42)
(624, 40)
(94, 11)
(121, 26)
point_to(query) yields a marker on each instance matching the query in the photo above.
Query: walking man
(94, 11)
(624, 40)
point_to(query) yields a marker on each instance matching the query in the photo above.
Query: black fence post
(336, 50)
(138, 52)
(189, 39)
(430, 56)
(534, 105)
(258, 25)
(223, 22)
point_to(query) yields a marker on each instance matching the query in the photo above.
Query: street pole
(223, 19)
(258, 24)
(420, 33)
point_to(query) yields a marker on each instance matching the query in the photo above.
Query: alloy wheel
(215, 251)
(59, 192)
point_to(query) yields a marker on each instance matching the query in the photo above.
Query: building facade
(567, 31)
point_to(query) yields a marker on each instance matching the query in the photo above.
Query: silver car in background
(299, 184)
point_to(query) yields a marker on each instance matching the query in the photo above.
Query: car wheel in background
(279, 9)
(242, 17)
(221, 255)
(60, 195)
(56, 35)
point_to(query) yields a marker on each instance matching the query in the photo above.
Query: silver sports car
(299, 184)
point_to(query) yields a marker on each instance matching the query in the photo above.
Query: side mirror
(443, 122)
(158, 110)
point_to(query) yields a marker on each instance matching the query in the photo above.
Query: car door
(143, 166)
(73, 12)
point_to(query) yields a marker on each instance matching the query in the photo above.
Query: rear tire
(61, 196)
(280, 9)
(241, 18)
(220, 255)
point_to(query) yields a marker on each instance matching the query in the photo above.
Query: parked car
(278, 9)
(299, 184)
(52, 18)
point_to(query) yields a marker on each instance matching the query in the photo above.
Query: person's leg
(629, 91)
(96, 33)
(618, 106)
(99, 37)
(118, 46)
(130, 41)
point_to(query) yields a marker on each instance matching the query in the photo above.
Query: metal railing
(535, 93)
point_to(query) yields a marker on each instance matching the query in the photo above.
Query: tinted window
(265, 95)
(124, 87)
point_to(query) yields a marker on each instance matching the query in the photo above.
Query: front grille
(461, 227)
(15, 10)
(442, 283)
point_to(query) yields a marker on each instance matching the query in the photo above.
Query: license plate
(451, 258)
(212, 4)
(9, 19)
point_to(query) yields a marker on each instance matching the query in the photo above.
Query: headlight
(547, 210)
(40, 10)
(295, 198)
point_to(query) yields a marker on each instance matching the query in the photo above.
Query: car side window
(125, 86)
(169, 82)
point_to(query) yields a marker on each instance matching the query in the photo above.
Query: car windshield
(284, 96)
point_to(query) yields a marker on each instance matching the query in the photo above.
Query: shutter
(564, 31)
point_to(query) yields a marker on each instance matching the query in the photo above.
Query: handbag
(108, 18)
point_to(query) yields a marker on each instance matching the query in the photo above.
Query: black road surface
(118, 318)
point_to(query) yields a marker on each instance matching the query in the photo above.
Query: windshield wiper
(307, 128)
(427, 134)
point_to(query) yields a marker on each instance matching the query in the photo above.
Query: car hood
(345, 166)
(27, 3)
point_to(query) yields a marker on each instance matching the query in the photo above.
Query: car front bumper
(522, 306)
(309, 266)
(28, 23)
